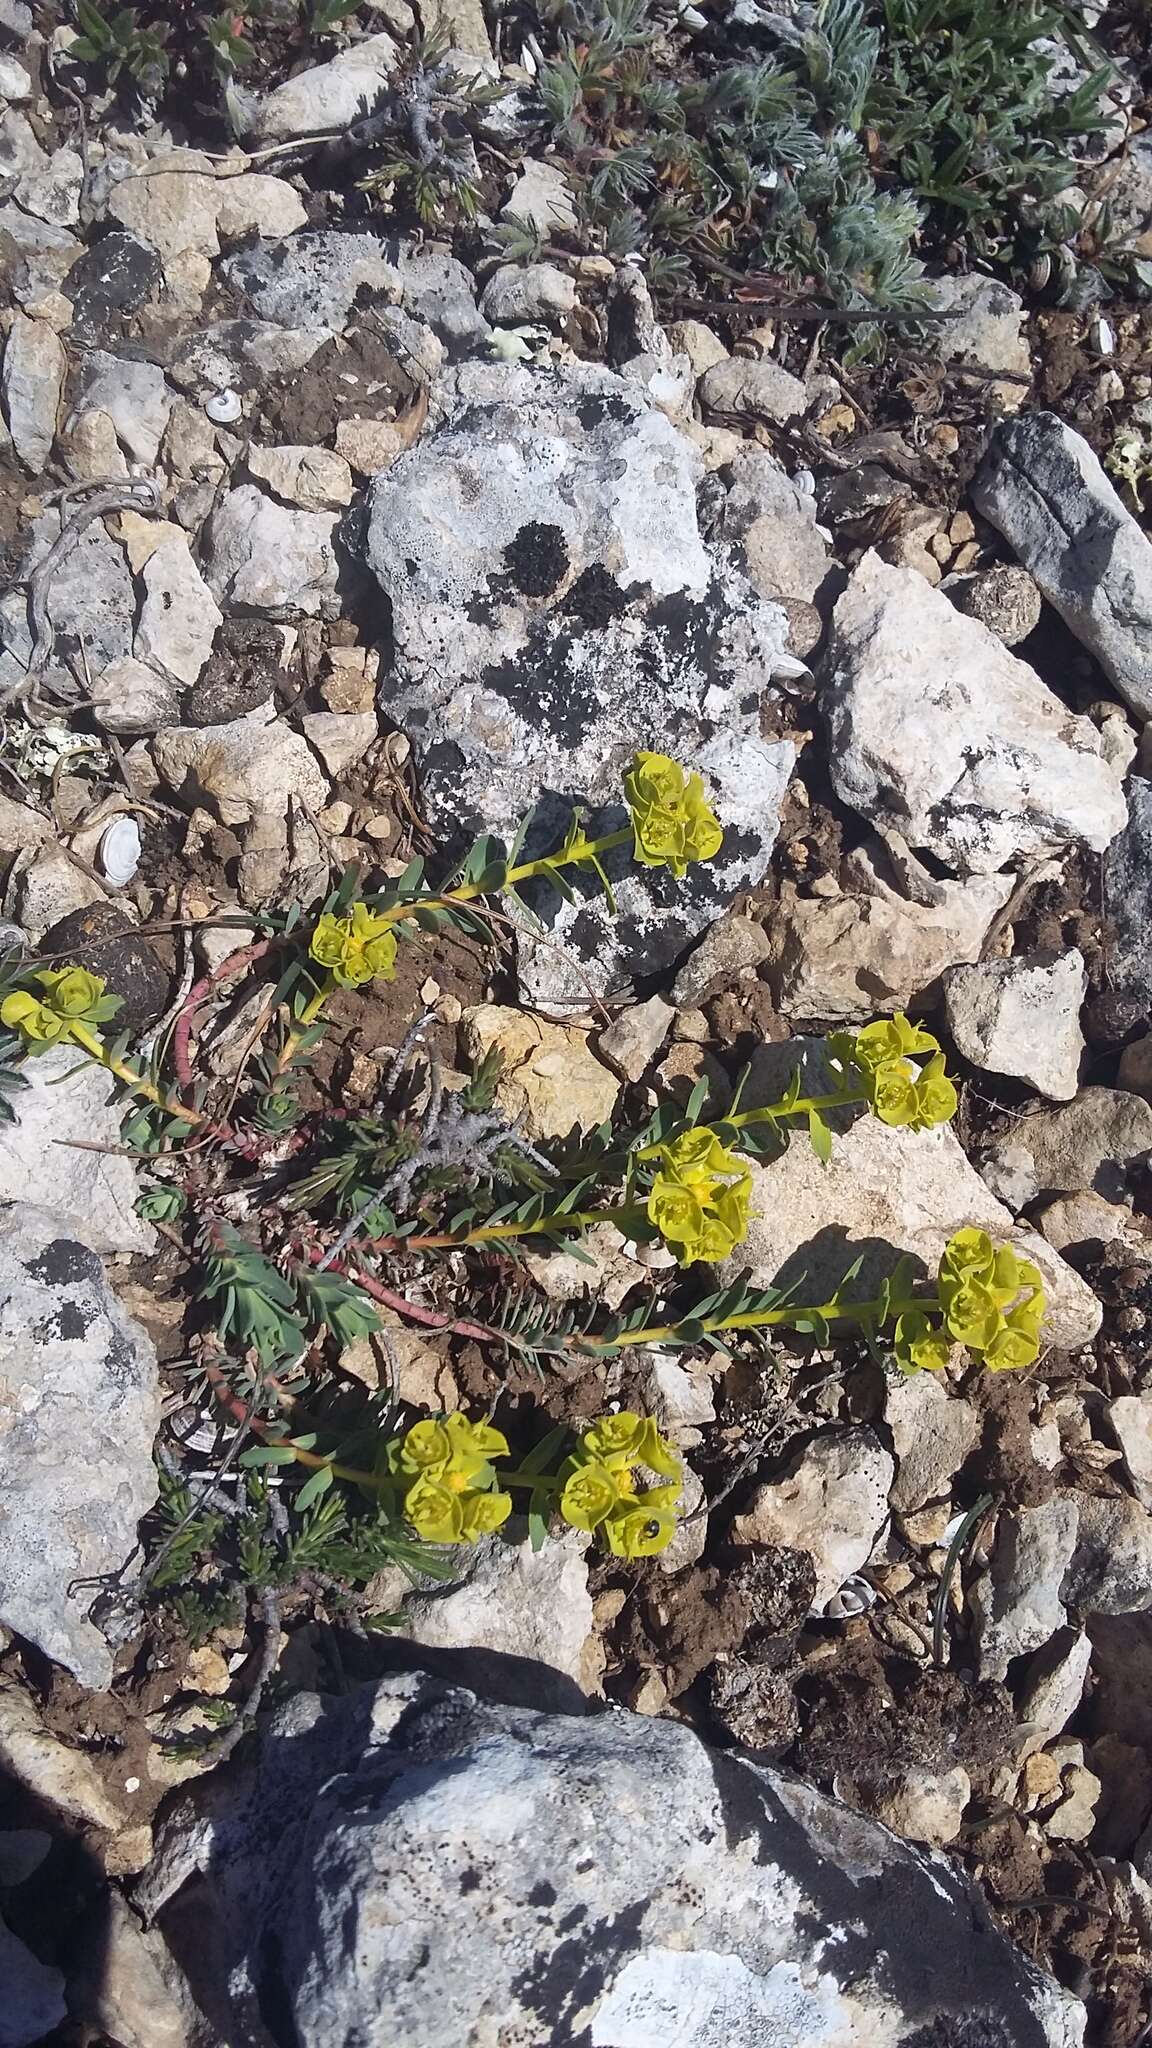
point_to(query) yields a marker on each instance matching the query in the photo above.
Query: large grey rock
(984, 327)
(33, 1994)
(1017, 1602)
(1021, 1017)
(554, 607)
(933, 1430)
(33, 377)
(313, 279)
(79, 1409)
(408, 1864)
(251, 767)
(178, 615)
(91, 603)
(1088, 1143)
(1046, 492)
(92, 1194)
(739, 389)
(941, 734)
(265, 557)
(872, 947)
(1128, 898)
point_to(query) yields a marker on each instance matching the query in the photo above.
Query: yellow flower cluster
(355, 949)
(699, 1198)
(899, 1091)
(992, 1302)
(672, 820)
(600, 1492)
(71, 996)
(452, 1497)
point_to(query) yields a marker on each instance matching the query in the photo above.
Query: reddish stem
(388, 1299)
(198, 994)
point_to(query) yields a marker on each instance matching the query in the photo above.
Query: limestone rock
(92, 1194)
(79, 1409)
(1005, 599)
(524, 293)
(91, 603)
(1128, 898)
(933, 1430)
(313, 279)
(1110, 1571)
(885, 1192)
(33, 1994)
(1017, 1602)
(251, 767)
(1043, 487)
(739, 389)
(179, 616)
(554, 607)
(531, 1607)
(921, 1805)
(328, 98)
(130, 696)
(1074, 1220)
(33, 377)
(606, 1876)
(550, 1078)
(831, 1500)
(939, 733)
(542, 197)
(1130, 1416)
(729, 949)
(774, 523)
(634, 1038)
(317, 479)
(842, 959)
(262, 557)
(136, 397)
(341, 738)
(1054, 1686)
(1087, 1143)
(1021, 1017)
(985, 327)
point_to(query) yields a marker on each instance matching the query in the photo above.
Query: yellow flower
(891, 1038)
(892, 1092)
(936, 1099)
(355, 949)
(482, 1513)
(643, 1526)
(590, 1493)
(920, 1344)
(700, 1197)
(435, 1512)
(70, 991)
(472, 1445)
(40, 1025)
(427, 1447)
(614, 1438)
(672, 820)
(993, 1300)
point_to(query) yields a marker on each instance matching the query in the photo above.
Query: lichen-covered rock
(79, 1409)
(407, 1864)
(554, 606)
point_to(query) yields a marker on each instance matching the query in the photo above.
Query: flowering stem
(627, 1214)
(800, 1107)
(98, 1051)
(755, 1319)
(304, 1023)
(468, 892)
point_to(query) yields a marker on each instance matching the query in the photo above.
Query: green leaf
(819, 1136)
(314, 1487)
(268, 1454)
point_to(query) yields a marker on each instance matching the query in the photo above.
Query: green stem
(756, 1319)
(468, 892)
(94, 1046)
(304, 1023)
(628, 1213)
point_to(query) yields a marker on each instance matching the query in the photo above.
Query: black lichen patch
(547, 688)
(65, 1263)
(537, 559)
(595, 598)
(574, 1976)
(68, 1322)
(597, 409)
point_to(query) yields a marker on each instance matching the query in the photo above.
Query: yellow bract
(355, 949)
(600, 1491)
(900, 1092)
(699, 1198)
(993, 1300)
(672, 820)
(71, 996)
(453, 1498)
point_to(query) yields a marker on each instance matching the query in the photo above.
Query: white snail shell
(120, 851)
(224, 406)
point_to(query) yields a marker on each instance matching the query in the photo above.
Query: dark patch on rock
(595, 597)
(537, 559)
(104, 940)
(65, 1263)
(67, 1322)
(111, 278)
(543, 1894)
(240, 674)
(595, 410)
(575, 1974)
